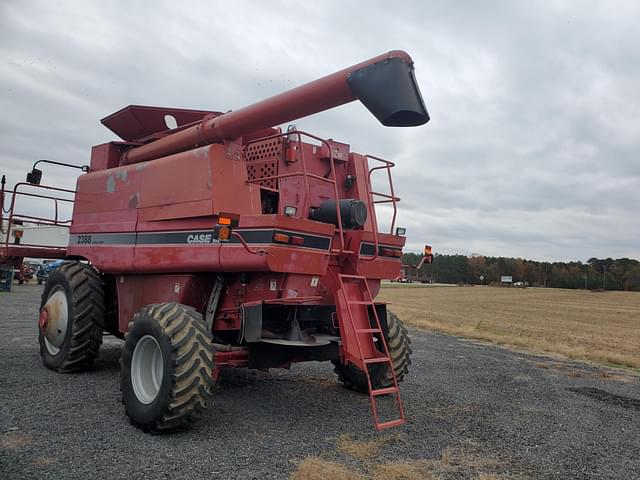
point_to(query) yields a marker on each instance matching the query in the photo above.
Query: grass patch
(43, 462)
(574, 323)
(451, 464)
(402, 470)
(14, 441)
(361, 459)
(364, 449)
(316, 468)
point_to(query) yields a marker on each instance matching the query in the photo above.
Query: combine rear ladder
(381, 358)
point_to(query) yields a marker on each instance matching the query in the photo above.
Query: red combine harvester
(226, 242)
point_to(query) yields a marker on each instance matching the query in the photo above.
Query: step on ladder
(381, 358)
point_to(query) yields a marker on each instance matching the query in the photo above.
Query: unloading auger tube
(384, 84)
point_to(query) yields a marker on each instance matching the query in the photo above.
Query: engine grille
(262, 161)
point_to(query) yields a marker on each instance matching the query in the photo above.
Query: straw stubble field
(603, 327)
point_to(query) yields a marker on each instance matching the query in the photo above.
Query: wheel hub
(147, 369)
(43, 321)
(54, 320)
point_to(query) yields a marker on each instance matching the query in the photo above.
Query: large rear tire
(166, 366)
(71, 318)
(399, 345)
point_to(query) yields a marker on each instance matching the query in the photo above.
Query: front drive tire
(399, 345)
(166, 365)
(70, 331)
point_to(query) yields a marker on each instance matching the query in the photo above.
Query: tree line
(595, 273)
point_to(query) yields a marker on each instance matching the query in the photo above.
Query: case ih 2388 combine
(226, 242)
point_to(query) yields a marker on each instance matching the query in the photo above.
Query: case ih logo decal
(200, 238)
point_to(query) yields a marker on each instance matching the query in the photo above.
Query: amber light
(224, 221)
(280, 238)
(224, 233)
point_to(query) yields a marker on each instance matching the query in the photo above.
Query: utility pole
(604, 277)
(2, 184)
(585, 281)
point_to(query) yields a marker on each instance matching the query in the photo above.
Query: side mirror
(34, 176)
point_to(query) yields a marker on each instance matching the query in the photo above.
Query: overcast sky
(531, 151)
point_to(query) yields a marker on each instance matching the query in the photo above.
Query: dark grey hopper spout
(390, 92)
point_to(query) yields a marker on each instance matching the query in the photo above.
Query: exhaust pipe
(385, 84)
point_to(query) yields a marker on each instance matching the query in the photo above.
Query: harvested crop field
(600, 326)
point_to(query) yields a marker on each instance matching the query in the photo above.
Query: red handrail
(387, 165)
(386, 198)
(391, 196)
(305, 175)
(55, 221)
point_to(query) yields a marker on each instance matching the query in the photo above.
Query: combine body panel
(266, 242)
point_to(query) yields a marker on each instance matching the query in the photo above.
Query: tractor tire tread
(399, 346)
(87, 302)
(192, 362)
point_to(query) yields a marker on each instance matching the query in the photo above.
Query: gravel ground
(485, 408)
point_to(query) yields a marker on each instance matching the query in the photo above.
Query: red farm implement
(210, 241)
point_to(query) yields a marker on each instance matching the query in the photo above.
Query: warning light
(224, 233)
(223, 229)
(281, 238)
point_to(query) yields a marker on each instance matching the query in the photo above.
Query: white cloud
(532, 147)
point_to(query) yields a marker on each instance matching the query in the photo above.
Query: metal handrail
(389, 198)
(38, 220)
(385, 198)
(306, 175)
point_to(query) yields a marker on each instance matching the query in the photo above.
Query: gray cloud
(532, 150)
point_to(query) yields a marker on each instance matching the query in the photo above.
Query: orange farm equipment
(409, 273)
(211, 240)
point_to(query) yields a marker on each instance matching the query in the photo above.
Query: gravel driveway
(472, 409)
